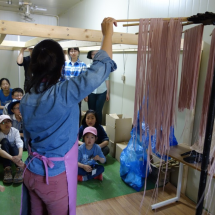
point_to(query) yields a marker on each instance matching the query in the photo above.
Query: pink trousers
(47, 199)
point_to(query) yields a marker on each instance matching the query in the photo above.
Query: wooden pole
(63, 33)
(206, 150)
(184, 19)
(137, 23)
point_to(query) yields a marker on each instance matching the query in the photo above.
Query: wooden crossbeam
(183, 19)
(13, 44)
(33, 41)
(64, 33)
(2, 36)
(36, 40)
(6, 48)
(76, 43)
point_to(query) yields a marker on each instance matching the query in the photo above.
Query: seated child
(12, 144)
(90, 119)
(17, 93)
(88, 154)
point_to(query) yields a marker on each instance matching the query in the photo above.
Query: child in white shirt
(12, 144)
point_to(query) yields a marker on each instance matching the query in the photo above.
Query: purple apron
(71, 164)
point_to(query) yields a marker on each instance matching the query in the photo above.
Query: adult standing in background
(5, 93)
(73, 68)
(25, 61)
(98, 97)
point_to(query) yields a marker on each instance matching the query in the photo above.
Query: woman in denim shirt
(50, 119)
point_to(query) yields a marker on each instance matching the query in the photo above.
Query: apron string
(46, 161)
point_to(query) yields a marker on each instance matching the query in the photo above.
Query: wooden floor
(130, 205)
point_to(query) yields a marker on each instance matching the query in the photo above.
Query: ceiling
(54, 7)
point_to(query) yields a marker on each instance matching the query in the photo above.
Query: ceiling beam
(2, 36)
(6, 48)
(36, 40)
(76, 43)
(60, 32)
(13, 44)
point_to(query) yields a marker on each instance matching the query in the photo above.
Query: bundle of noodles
(190, 67)
(208, 83)
(141, 69)
(157, 78)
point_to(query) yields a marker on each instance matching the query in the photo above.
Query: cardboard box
(112, 147)
(118, 130)
(155, 172)
(119, 148)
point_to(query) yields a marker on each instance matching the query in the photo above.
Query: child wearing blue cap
(88, 154)
(15, 115)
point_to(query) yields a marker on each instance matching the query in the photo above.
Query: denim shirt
(51, 118)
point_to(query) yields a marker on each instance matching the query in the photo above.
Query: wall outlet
(123, 78)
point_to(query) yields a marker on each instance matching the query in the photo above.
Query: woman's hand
(86, 99)
(87, 168)
(107, 26)
(107, 97)
(107, 31)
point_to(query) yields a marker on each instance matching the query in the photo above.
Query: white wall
(89, 14)
(8, 67)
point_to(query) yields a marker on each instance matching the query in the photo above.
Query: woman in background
(73, 68)
(97, 98)
(5, 93)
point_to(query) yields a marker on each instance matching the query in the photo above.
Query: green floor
(87, 192)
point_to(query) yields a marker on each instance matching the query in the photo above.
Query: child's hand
(17, 161)
(87, 168)
(96, 158)
(20, 164)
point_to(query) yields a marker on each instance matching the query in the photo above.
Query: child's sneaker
(80, 178)
(99, 177)
(8, 178)
(18, 178)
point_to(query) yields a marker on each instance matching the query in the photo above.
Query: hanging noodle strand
(157, 80)
(190, 67)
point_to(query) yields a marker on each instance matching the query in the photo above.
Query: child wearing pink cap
(88, 154)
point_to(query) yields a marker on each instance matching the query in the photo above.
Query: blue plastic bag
(133, 159)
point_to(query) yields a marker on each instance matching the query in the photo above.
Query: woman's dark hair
(46, 63)
(85, 116)
(75, 48)
(17, 90)
(4, 79)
